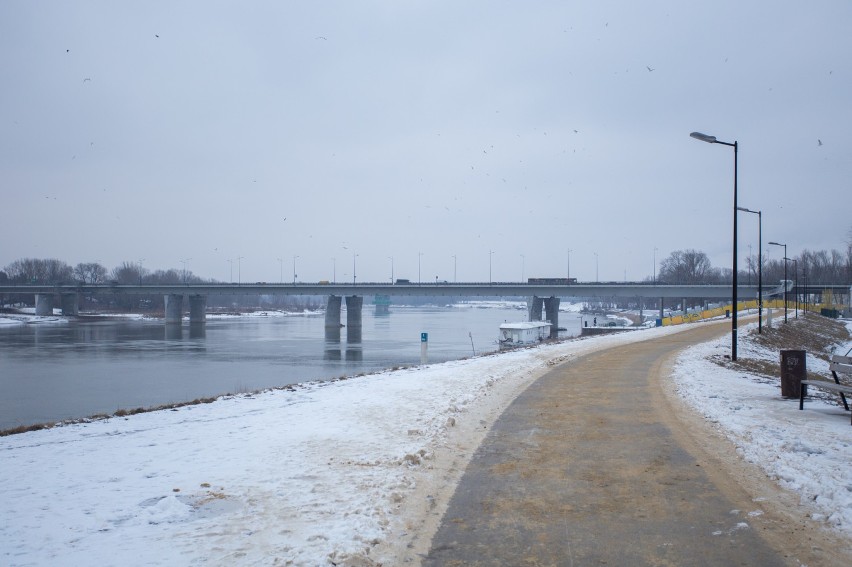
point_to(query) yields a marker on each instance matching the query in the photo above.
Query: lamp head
(703, 137)
(777, 244)
(745, 210)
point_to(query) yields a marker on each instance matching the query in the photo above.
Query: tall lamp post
(655, 265)
(490, 253)
(796, 280)
(419, 255)
(294, 269)
(184, 261)
(759, 266)
(455, 264)
(597, 280)
(523, 261)
(713, 140)
(391, 259)
(569, 265)
(785, 276)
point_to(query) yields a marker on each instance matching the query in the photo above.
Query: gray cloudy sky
(165, 132)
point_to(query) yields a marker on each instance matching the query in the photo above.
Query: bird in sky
(819, 142)
(87, 79)
(649, 68)
(321, 37)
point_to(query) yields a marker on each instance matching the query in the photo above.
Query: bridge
(539, 296)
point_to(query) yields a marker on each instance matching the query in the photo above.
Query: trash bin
(793, 371)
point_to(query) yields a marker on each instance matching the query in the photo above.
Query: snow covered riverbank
(352, 472)
(804, 451)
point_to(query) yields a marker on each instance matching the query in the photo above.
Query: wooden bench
(837, 363)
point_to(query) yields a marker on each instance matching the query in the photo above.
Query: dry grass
(810, 332)
(815, 334)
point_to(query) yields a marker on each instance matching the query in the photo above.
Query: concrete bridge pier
(551, 307)
(332, 328)
(534, 306)
(354, 305)
(70, 304)
(174, 308)
(197, 309)
(332, 312)
(44, 304)
(382, 303)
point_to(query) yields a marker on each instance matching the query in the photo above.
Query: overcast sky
(194, 133)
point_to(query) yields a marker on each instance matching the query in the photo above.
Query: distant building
(525, 333)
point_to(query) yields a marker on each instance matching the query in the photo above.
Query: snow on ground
(490, 304)
(28, 319)
(343, 471)
(352, 472)
(804, 451)
(266, 313)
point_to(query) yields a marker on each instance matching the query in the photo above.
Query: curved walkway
(589, 467)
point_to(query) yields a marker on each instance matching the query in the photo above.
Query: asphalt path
(591, 466)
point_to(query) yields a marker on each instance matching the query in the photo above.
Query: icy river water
(52, 371)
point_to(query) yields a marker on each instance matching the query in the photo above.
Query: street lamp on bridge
(785, 276)
(597, 280)
(655, 265)
(759, 266)
(796, 281)
(569, 265)
(713, 140)
(184, 261)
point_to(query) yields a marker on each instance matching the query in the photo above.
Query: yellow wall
(743, 305)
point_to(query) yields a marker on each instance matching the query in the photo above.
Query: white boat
(524, 333)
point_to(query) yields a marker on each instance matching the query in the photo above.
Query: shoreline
(358, 471)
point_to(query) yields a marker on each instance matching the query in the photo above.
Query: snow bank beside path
(355, 472)
(348, 471)
(804, 451)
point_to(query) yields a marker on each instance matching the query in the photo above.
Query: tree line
(37, 271)
(810, 267)
(689, 266)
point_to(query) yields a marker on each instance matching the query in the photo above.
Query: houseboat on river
(524, 333)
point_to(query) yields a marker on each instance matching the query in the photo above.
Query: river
(71, 369)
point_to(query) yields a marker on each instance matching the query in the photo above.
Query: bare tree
(38, 271)
(849, 257)
(90, 273)
(688, 267)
